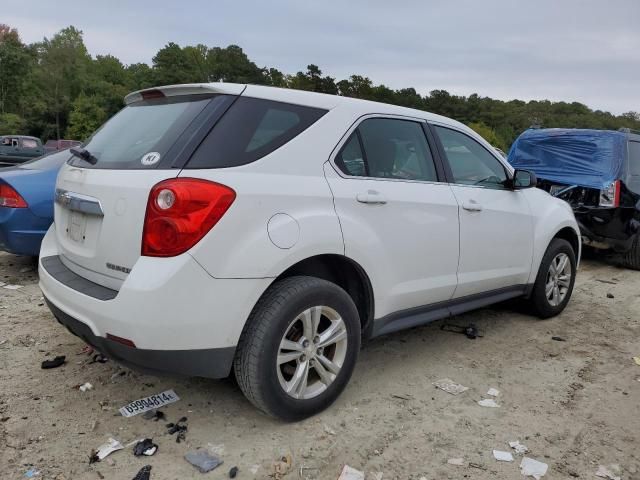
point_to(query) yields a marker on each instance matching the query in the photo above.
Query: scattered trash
(450, 386)
(477, 465)
(254, 469)
(329, 430)
(558, 339)
(12, 287)
(502, 456)
(103, 451)
(26, 270)
(282, 467)
(154, 415)
(32, 472)
(55, 363)
(99, 358)
(349, 473)
(203, 461)
(86, 350)
(456, 461)
(233, 472)
(606, 281)
(145, 447)
(637, 360)
(144, 473)
(533, 468)
(149, 403)
(488, 402)
(612, 472)
(402, 397)
(518, 447)
(179, 427)
(470, 331)
(217, 450)
(609, 295)
(494, 392)
(85, 387)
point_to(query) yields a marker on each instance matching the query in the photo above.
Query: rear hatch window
(142, 134)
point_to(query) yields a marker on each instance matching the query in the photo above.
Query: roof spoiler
(185, 89)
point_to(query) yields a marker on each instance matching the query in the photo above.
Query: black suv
(598, 173)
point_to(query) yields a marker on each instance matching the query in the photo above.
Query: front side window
(393, 148)
(470, 162)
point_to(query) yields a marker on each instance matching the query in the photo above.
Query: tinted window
(251, 129)
(470, 162)
(393, 149)
(634, 158)
(141, 128)
(350, 159)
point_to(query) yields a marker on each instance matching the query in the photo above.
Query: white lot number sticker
(150, 158)
(149, 403)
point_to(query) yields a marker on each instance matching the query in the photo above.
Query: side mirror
(524, 179)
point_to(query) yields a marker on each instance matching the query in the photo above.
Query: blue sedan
(26, 203)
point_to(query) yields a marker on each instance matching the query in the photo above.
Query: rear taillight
(610, 196)
(181, 211)
(10, 198)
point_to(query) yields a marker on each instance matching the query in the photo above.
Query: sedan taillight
(610, 196)
(10, 198)
(181, 211)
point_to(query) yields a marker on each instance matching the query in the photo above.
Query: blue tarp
(587, 158)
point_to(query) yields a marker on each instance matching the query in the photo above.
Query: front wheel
(556, 277)
(299, 347)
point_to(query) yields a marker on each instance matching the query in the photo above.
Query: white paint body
(418, 248)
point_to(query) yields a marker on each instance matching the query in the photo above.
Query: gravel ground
(573, 403)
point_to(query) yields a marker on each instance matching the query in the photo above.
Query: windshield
(47, 162)
(142, 133)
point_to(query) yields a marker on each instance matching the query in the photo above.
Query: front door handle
(472, 206)
(371, 197)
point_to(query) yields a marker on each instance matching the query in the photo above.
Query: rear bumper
(180, 319)
(210, 363)
(21, 231)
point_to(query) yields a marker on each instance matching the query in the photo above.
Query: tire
(631, 259)
(278, 316)
(541, 304)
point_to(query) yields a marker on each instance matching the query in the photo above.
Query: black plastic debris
(144, 473)
(154, 415)
(99, 358)
(203, 461)
(145, 447)
(233, 472)
(558, 339)
(55, 363)
(470, 331)
(180, 428)
(610, 295)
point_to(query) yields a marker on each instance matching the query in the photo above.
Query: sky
(571, 50)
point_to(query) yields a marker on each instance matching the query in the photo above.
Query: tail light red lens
(610, 196)
(10, 198)
(181, 211)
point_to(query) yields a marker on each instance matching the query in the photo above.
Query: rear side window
(251, 129)
(392, 149)
(143, 130)
(29, 143)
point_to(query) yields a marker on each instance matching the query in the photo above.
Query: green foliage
(55, 89)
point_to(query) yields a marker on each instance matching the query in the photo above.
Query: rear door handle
(372, 197)
(472, 206)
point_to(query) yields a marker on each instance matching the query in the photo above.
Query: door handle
(472, 206)
(372, 197)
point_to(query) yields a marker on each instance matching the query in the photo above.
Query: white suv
(218, 227)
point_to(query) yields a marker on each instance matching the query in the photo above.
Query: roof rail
(629, 130)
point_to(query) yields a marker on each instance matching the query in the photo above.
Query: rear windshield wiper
(84, 154)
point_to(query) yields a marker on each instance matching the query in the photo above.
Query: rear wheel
(299, 347)
(554, 284)
(631, 259)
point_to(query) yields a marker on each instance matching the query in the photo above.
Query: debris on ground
(637, 360)
(144, 473)
(329, 430)
(610, 295)
(402, 397)
(518, 447)
(254, 469)
(494, 392)
(85, 387)
(470, 331)
(86, 350)
(282, 466)
(202, 460)
(558, 339)
(606, 281)
(216, 449)
(55, 363)
(104, 450)
(12, 287)
(450, 386)
(374, 476)
(502, 456)
(154, 415)
(350, 473)
(32, 472)
(456, 461)
(533, 468)
(99, 358)
(612, 472)
(151, 402)
(180, 427)
(488, 402)
(233, 472)
(145, 447)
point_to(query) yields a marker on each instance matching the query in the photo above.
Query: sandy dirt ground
(574, 403)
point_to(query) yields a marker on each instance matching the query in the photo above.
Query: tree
(12, 124)
(15, 63)
(231, 64)
(86, 116)
(488, 134)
